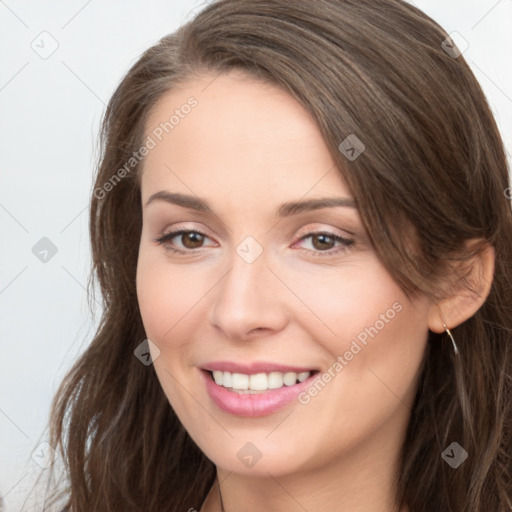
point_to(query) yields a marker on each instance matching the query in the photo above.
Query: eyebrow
(285, 210)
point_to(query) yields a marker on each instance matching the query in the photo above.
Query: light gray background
(50, 113)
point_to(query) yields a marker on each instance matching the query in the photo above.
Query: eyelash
(346, 242)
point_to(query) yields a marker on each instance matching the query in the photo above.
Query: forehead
(239, 132)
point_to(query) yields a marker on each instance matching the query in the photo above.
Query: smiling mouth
(258, 382)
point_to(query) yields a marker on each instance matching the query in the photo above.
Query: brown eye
(182, 240)
(192, 239)
(326, 244)
(322, 241)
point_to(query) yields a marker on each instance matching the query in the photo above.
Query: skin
(247, 148)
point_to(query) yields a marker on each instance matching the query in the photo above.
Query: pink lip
(250, 369)
(251, 406)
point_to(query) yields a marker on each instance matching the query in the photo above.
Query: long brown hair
(433, 167)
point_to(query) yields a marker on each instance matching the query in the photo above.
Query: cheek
(373, 333)
(166, 296)
(358, 302)
(174, 305)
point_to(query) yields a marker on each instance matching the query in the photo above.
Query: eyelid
(318, 227)
(344, 242)
(163, 238)
(183, 226)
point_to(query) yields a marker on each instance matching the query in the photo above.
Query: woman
(303, 241)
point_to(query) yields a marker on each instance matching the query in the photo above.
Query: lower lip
(254, 405)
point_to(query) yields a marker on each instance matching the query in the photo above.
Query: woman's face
(261, 289)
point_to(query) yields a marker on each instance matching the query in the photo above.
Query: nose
(249, 300)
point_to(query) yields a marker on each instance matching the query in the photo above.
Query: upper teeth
(258, 381)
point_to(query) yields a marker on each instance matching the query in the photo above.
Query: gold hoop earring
(456, 350)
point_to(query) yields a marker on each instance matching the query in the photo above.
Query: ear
(466, 297)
